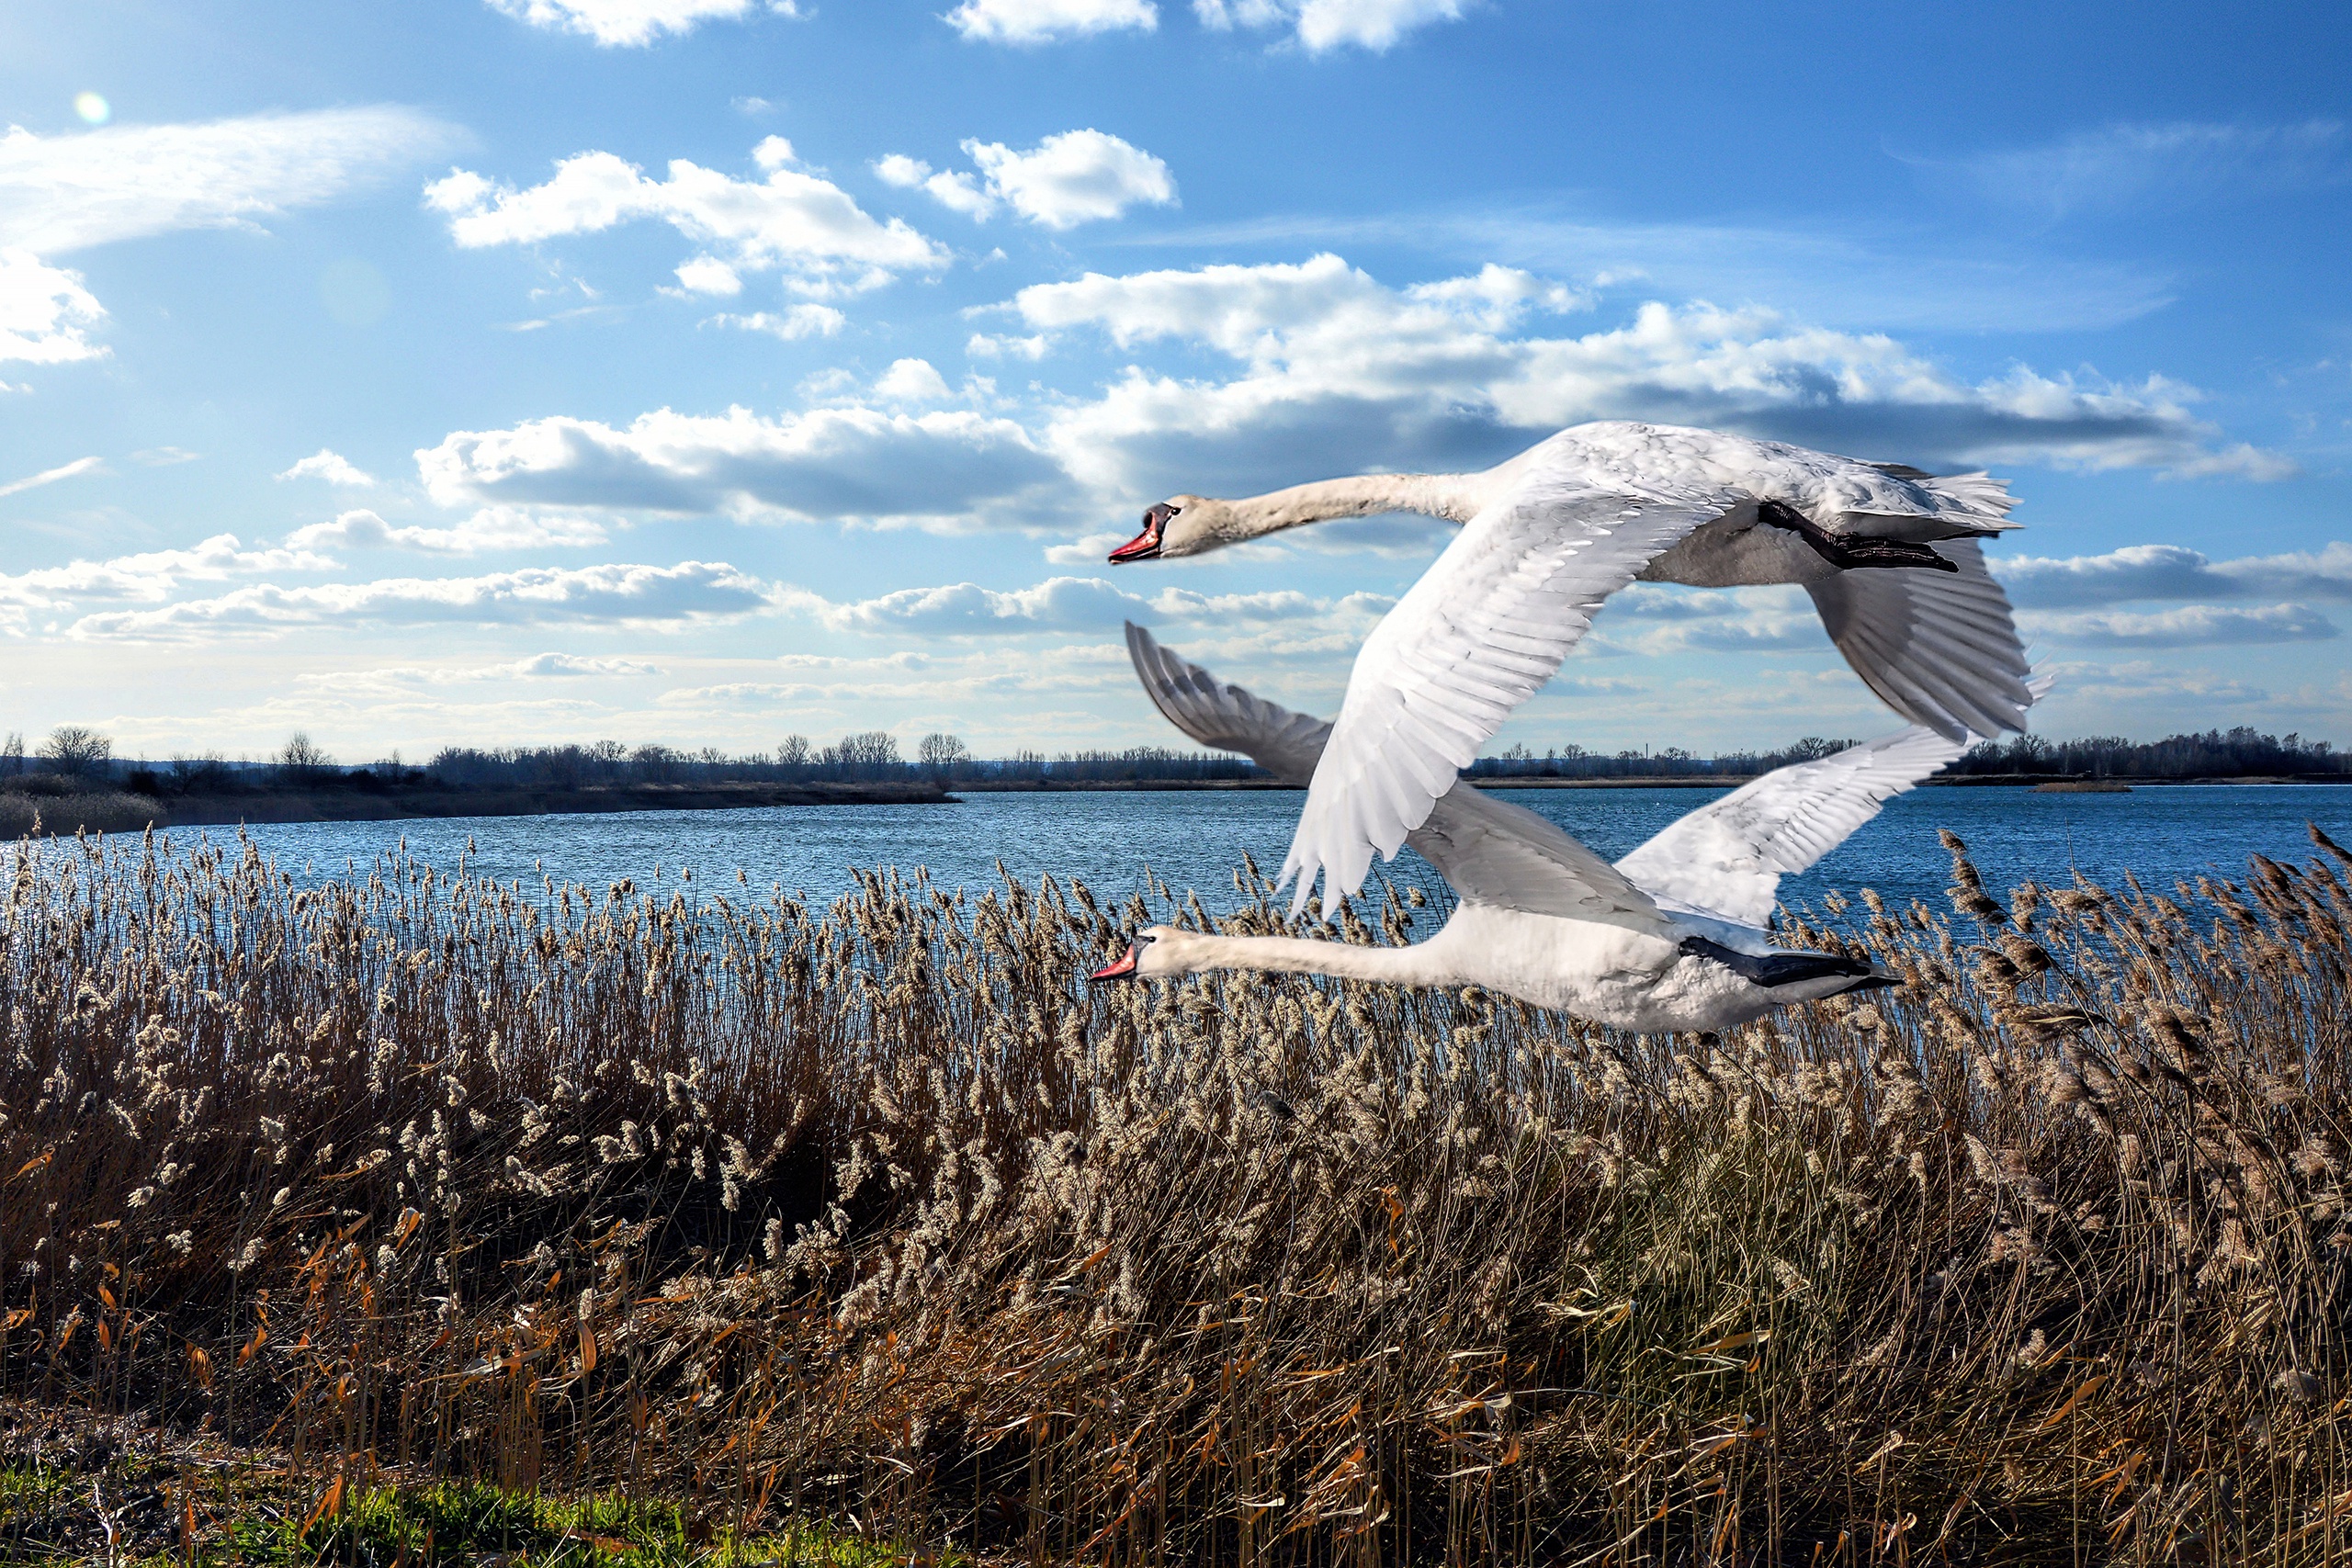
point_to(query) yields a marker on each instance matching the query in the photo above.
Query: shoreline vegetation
(75, 784)
(877, 1224)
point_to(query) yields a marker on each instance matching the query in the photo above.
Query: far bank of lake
(1116, 840)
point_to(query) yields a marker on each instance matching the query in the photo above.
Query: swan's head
(1181, 525)
(1156, 951)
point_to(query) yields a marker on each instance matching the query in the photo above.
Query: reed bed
(879, 1214)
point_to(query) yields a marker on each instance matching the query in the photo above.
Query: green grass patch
(456, 1522)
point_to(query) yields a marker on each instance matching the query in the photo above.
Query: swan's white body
(1672, 937)
(1548, 536)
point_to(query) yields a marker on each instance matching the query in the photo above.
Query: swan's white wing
(1726, 859)
(1490, 852)
(1941, 647)
(1496, 853)
(1214, 713)
(1486, 625)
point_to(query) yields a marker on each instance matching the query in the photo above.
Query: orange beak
(1143, 547)
(1123, 968)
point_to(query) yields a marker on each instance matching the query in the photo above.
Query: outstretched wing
(1488, 850)
(1726, 859)
(1486, 625)
(1941, 647)
(1285, 744)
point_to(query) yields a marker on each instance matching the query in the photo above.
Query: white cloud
(1067, 603)
(331, 466)
(913, 381)
(835, 463)
(629, 24)
(2141, 572)
(1327, 23)
(708, 275)
(1042, 21)
(62, 192)
(2190, 625)
(982, 346)
(2118, 167)
(808, 228)
(538, 667)
(78, 466)
(45, 313)
(955, 190)
(491, 529)
(792, 323)
(666, 597)
(1077, 176)
(152, 576)
(1342, 373)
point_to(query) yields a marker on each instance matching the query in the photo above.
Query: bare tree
(942, 754)
(301, 759)
(209, 771)
(793, 752)
(77, 751)
(12, 753)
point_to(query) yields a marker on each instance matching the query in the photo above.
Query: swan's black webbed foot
(1852, 552)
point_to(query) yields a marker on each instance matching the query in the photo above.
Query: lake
(1196, 839)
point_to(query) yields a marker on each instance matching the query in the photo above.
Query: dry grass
(85, 811)
(879, 1215)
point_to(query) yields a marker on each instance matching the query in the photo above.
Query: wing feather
(1489, 851)
(1486, 625)
(1939, 647)
(1726, 859)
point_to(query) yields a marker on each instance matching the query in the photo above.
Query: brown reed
(879, 1213)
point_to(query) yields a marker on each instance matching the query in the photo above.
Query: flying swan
(1672, 937)
(1889, 554)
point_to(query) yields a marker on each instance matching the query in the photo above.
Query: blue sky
(706, 371)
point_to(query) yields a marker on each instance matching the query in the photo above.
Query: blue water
(1196, 839)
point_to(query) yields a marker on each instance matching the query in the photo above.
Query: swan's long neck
(1451, 496)
(1290, 955)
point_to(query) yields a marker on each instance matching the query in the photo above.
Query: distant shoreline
(120, 812)
(1660, 781)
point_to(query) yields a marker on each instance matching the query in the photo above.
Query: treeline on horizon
(78, 757)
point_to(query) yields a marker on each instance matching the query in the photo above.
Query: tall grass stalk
(877, 1213)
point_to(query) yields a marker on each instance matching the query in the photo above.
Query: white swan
(1888, 553)
(1672, 937)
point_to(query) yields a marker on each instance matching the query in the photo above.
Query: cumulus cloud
(1078, 176)
(45, 313)
(1043, 21)
(2118, 167)
(665, 597)
(152, 576)
(791, 221)
(826, 464)
(2141, 572)
(330, 466)
(74, 470)
(538, 667)
(2190, 625)
(1327, 23)
(1342, 372)
(491, 529)
(632, 24)
(953, 189)
(913, 381)
(1067, 603)
(62, 192)
(791, 323)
